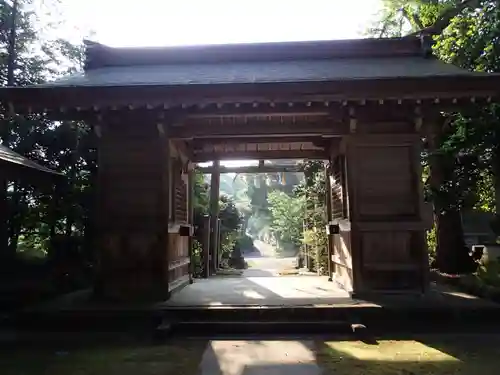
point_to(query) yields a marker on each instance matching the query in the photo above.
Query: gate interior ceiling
(362, 104)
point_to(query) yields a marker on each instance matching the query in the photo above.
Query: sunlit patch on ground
(405, 357)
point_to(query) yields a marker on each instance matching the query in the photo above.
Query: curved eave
(14, 166)
(42, 98)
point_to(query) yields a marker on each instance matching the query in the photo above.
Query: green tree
(461, 155)
(42, 222)
(228, 213)
(313, 191)
(287, 216)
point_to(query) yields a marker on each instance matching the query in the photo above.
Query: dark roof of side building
(11, 159)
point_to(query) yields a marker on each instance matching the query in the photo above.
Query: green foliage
(466, 155)
(196, 261)
(38, 217)
(230, 225)
(432, 245)
(313, 191)
(245, 242)
(489, 273)
(228, 213)
(287, 215)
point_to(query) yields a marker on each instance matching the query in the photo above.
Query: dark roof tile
(261, 72)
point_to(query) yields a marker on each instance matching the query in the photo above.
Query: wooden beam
(214, 213)
(205, 245)
(166, 200)
(253, 169)
(183, 151)
(256, 109)
(261, 129)
(199, 143)
(329, 218)
(257, 155)
(40, 99)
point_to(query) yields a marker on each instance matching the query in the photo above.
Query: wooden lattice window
(178, 193)
(339, 188)
(171, 189)
(181, 198)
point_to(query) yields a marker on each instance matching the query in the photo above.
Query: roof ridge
(99, 55)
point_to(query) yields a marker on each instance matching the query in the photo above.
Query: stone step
(387, 318)
(203, 328)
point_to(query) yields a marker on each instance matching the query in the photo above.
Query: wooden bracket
(418, 118)
(161, 129)
(98, 131)
(12, 111)
(353, 122)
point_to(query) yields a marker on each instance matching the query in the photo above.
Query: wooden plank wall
(342, 257)
(142, 203)
(387, 217)
(131, 216)
(179, 259)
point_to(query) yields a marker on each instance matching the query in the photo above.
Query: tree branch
(444, 20)
(412, 18)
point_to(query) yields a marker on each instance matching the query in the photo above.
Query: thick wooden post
(214, 212)
(219, 248)
(133, 196)
(329, 217)
(387, 216)
(206, 246)
(166, 207)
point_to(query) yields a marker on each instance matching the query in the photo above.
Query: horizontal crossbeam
(262, 155)
(260, 129)
(253, 169)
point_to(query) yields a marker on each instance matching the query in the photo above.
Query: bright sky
(122, 23)
(174, 22)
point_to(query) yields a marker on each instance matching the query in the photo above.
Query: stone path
(261, 291)
(256, 357)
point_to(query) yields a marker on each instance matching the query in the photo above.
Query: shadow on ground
(95, 356)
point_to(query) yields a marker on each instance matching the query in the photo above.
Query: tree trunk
(4, 215)
(452, 256)
(6, 250)
(496, 177)
(15, 221)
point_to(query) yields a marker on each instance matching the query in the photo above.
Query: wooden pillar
(190, 209)
(329, 217)
(133, 197)
(214, 212)
(219, 247)
(206, 246)
(388, 221)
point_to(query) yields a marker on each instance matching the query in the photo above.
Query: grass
(437, 356)
(179, 357)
